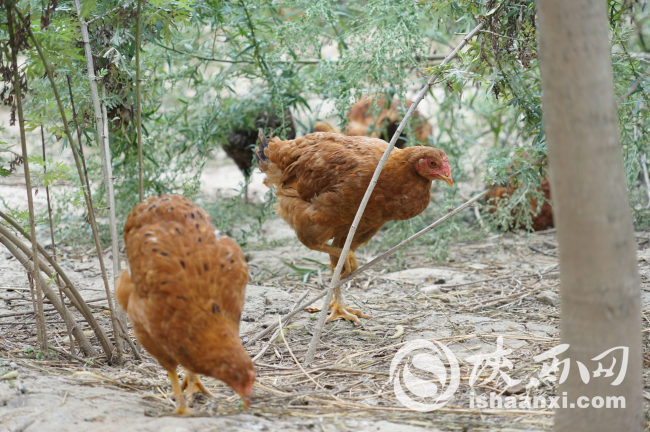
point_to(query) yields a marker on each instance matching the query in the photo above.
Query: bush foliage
(210, 67)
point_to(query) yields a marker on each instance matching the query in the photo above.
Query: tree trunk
(598, 266)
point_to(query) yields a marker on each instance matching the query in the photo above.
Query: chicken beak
(448, 180)
(247, 401)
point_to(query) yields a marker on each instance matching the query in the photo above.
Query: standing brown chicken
(184, 293)
(320, 180)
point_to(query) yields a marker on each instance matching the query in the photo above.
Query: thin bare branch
(108, 13)
(40, 318)
(60, 307)
(87, 197)
(366, 266)
(430, 57)
(634, 85)
(138, 101)
(110, 197)
(353, 228)
(105, 154)
(47, 193)
(76, 123)
(49, 214)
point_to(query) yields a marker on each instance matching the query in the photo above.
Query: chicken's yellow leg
(335, 251)
(340, 311)
(178, 393)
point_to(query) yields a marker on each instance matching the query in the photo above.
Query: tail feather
(260, 157)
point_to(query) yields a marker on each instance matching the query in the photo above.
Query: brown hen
(362, 121)
(541, 220)
(320, 180)
(184, 293)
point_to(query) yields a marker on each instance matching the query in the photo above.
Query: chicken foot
(182, 408)
(340, 311)
(337, 306)
(192, 383)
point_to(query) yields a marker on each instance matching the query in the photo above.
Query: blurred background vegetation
(211, 67)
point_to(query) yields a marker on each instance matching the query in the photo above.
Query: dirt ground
(504, 288)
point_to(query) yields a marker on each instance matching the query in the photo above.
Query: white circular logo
(437, 391)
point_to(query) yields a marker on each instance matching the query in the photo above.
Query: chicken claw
(340, 311)
(192, 383)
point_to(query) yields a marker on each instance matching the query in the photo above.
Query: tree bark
(600, 289)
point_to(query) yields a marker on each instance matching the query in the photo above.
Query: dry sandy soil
(504, 286)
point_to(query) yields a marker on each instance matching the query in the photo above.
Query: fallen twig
(69, 288)
(272, 338)
(295, 359)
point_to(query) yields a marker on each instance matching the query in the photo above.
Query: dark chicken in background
(241, 141)
(184, 293)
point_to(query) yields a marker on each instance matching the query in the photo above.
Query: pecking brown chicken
(362, 122)
(184, 293)
(320, 180)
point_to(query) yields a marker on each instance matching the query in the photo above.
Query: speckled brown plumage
(320, 180)
(184, 292)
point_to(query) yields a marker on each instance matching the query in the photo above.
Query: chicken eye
(432, 163)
